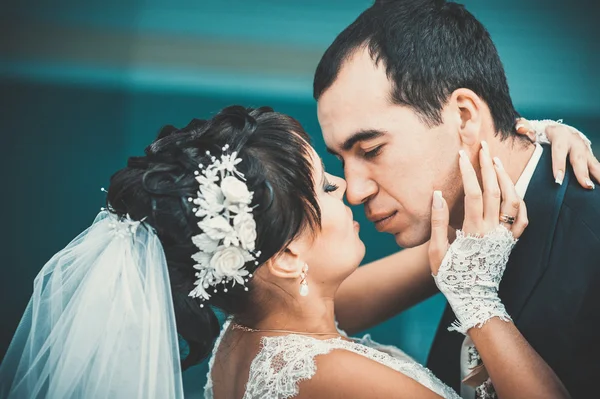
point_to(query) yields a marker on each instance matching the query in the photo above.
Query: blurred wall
(84, 84)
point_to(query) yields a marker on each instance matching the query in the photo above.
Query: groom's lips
(381, 221)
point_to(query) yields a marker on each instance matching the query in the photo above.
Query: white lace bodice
(284, 361)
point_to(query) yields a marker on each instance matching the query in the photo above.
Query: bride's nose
(341, 183)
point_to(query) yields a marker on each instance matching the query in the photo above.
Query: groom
(403, 89)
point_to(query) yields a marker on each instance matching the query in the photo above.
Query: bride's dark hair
(275, 153)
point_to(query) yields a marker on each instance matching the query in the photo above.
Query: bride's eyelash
(330, 187)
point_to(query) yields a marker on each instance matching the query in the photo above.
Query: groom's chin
(412, 237)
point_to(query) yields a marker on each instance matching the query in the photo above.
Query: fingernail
(438, 202)
(498, 163)
(590, 184)
(560, 175)
(485, 147)
(463, 155)
(522, 126)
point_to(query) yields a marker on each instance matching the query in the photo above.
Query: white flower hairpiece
(228, 235)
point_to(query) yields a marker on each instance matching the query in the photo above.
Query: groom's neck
(514, 152)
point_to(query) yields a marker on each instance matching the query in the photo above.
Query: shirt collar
(525, 178)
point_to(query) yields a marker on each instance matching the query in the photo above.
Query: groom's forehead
(342, 128)
(348, 122)
(360, 86)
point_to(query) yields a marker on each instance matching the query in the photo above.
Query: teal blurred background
(84, 85)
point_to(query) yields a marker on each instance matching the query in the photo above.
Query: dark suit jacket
(551, 287)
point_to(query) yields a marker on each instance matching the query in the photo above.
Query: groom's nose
(360, 188)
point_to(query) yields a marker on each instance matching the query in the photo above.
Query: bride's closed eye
(330, 187)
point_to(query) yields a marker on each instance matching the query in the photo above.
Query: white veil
(100, 322)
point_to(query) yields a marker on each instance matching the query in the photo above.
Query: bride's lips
(382, 222)
(356, 226)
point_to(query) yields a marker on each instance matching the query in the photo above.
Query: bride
(236, 213)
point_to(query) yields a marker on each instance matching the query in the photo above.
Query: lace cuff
(470, 274)
(540, 131)
(486, 391)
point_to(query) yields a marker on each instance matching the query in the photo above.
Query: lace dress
(284, 361)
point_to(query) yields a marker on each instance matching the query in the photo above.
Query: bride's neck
(311, 314)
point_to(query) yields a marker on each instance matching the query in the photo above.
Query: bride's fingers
(473, 196)
(560, 151)
(491, 189)
(438, 244)
(524, 128)
(511, 202)
(521, 222)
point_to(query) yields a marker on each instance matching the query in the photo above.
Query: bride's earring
(303, 283)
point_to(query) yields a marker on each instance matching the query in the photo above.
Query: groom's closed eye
(361, 137)
(357, 138)
(372, 153)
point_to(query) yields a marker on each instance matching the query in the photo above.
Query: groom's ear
(468, 107)
(287, 264)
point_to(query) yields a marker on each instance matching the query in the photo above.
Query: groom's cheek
(414, 237)
(414, 231)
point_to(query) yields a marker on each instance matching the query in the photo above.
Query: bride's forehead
(315, 160)
(319, 168)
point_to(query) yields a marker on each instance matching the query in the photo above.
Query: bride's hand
(564, 141)
(483, 209)
(469, 271)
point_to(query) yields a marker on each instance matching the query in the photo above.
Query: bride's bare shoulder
(343, 374)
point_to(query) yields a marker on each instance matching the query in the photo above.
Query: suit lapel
(529, 259)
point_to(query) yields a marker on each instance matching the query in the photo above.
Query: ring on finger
(504, 218)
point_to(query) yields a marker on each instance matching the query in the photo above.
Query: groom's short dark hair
(429, 48)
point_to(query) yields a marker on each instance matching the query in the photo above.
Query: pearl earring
(303, 283)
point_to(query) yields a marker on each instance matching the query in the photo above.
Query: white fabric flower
(229, 161)
(212, 199)
(235, 190)
(245, 227)
(239, 208)
(216, 228)
(229, 262)
(199, 290)
(228, 228)
(208, 176)
(205, 243)
(242, 215)
(231, 238)
(202, 259)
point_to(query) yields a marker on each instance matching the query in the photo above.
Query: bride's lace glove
(470, 274)
(469, 271)
(565, 141)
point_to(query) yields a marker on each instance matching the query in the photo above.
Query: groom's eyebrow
(361, 135)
